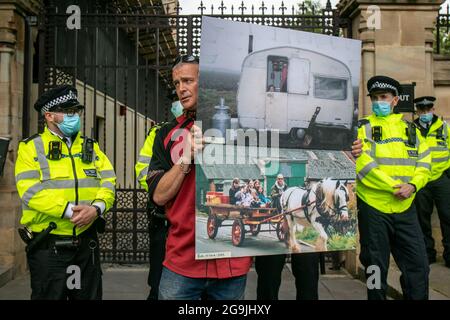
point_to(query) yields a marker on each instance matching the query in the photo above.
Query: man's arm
(164, 179)
(169, 185)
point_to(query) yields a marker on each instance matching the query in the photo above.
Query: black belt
(50, 240)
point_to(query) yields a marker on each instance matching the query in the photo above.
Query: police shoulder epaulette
(411, 124)
(156, 127)
(362, 122)
(34, 136)
(86, 137)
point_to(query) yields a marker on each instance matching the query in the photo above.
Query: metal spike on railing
(232, 9)
(201, 8)
(262, 8)
(282, 8)
(212, 9)
(253, 10)
(242, 7)
(178, 8)
(293, 10)
(273, 10)
(303, 8)
(328, 5)
(222, 7)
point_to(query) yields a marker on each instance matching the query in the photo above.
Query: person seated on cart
(262, 197)
(256, 202)
(244, 197)
(235, 187)
(251, 185)
(277, 190)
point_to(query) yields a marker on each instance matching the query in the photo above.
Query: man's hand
(405, 190)
(197, 141)
(83, 215)
(357, 148)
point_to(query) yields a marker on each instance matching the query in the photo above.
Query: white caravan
(296, 91)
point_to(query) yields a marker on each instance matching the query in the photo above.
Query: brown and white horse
(304, 207)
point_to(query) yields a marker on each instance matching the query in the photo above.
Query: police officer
(395, 164)
(158, 224)
(64, 180)
(437, 191)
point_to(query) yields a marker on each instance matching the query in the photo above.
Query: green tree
(309, 12)
(444, 41)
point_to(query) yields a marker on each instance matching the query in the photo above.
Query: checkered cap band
(424, 102)
(383, 85)
(60, 100)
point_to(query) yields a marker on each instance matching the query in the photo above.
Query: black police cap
(60, 97)
(383, 84)
(424, 102)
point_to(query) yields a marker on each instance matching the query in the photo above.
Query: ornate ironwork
(442, 30)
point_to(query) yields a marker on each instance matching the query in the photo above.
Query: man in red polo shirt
(171, 182)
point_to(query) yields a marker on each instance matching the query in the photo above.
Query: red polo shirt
(180, 245)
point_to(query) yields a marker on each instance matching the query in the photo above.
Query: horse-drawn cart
(242, 217)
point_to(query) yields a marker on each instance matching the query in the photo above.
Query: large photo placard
(278, 109)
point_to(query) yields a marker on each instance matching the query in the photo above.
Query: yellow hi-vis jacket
(145, 156)
(439, 144)
(46, 186)
(390, 161)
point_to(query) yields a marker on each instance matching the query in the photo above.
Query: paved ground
(130, 283)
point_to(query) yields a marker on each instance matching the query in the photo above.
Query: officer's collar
(390, 117)
(68, 139)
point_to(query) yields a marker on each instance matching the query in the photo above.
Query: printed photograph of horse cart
(243, 216)
(288, 185)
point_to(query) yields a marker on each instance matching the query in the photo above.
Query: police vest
(145, 156)
(50, 175)
(394, 152)
(439, 144)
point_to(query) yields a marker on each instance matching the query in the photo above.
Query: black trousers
(435, 193)
(52, 268)
(305, 268)
(382, 234)
(157, 234)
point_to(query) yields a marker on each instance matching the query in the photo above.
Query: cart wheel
(212, 226)
(282, 233)
(254, 229)
(237, 233)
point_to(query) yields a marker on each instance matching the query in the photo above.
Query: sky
(191, 6)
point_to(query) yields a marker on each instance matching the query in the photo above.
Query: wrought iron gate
(120, 60)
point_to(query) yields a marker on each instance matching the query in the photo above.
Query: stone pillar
(12, 49)
(402, 46)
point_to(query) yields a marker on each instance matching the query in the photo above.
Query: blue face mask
(381, 108)
(177, 108)
(70, 125)
(427, 117)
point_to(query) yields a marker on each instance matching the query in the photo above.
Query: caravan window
(330, 88)
(277, 73)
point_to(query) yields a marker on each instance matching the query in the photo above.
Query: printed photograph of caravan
(278, 109)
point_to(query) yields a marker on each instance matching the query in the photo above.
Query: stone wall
(12, 52)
